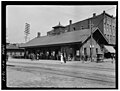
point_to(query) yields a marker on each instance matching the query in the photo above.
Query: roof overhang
(109, 49)
(52, 45)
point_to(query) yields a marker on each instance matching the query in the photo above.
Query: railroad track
(82, 75)
(71, 66)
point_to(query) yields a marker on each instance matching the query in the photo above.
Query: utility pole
(91, 44)
(27, 31)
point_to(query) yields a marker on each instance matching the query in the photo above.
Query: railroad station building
(87, 37)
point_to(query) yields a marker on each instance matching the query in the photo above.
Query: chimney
(94, 14)
(38, 34)
(70, 22)
(104, 11)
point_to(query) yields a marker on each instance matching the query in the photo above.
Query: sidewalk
(105, 64)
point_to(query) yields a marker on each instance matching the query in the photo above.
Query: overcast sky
(42, 18)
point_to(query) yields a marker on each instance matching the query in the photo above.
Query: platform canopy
(110, 49)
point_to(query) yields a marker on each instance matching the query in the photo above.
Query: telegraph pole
(27, 31)
(91, 44)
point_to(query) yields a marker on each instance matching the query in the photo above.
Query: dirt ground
(53, 74)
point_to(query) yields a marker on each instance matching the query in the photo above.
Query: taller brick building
(105, 22)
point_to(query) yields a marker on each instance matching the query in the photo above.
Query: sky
(42, 18)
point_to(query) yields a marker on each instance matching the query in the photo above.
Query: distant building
(13, 50)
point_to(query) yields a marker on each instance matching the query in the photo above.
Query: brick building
(105, 22)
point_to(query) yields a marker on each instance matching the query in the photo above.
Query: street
(51, 73)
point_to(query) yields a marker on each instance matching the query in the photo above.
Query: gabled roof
(96, 28)
(68, 37)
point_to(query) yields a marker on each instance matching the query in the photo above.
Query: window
(96, 50)
(85, 51)
(113, 38)
(110, 26)
(104, 20)
(108, 37)
(107, 27)
(110, 29)
(104, 29)
(113, 31)
(113, 27)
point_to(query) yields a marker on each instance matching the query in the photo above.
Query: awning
(110, 49)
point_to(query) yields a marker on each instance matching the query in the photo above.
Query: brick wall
(109, 28)
(87, 46)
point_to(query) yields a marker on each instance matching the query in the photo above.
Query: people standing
(83, 58)
(62, 61)
(37, 57)
(113, 58)
(64, 58)
(32, 56)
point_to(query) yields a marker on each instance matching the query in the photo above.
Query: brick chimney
(104, 11)
(38, 34)
(70, 22)
(94, 14)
